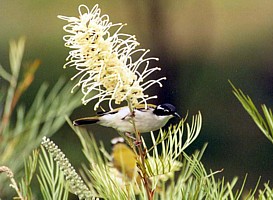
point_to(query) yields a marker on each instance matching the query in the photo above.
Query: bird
(124, 159)
(146, 118)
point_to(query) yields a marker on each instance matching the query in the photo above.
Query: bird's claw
(135, 141)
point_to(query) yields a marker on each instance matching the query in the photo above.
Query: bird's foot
(137, 142)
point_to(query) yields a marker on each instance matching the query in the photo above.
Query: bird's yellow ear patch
(123, 158)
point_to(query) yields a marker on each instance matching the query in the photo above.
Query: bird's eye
(161, 111)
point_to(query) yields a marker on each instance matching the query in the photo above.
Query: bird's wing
(138, 107)
(101, 113)
(143, 107)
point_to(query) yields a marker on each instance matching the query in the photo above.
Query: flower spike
(104, 61)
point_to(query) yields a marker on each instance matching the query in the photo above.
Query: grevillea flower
(104, 59)
(76, 183)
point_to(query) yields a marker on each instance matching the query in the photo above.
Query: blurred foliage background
(201, 44)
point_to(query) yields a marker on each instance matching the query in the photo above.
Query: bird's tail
(86, 120)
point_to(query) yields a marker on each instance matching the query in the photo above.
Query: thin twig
(13, 182)
(141, 156)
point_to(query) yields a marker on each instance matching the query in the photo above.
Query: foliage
(106, 182)
(51, 178)
(265, 123)
(30, 169)
(192, 181)
(74, 181)
(21, 129)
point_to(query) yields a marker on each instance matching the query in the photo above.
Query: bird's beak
(177, 115)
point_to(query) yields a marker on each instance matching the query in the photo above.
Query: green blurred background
(201, 44)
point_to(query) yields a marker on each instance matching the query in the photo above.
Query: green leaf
(172, 143)
(265, 123)
(30, 169)
(266, 193)
(51, 178)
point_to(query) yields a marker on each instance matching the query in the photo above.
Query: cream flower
(77, 185)
(105, 61)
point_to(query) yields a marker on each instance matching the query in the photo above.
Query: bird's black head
(166, 109)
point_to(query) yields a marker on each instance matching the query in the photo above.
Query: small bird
(146, 119)
(124, 159)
